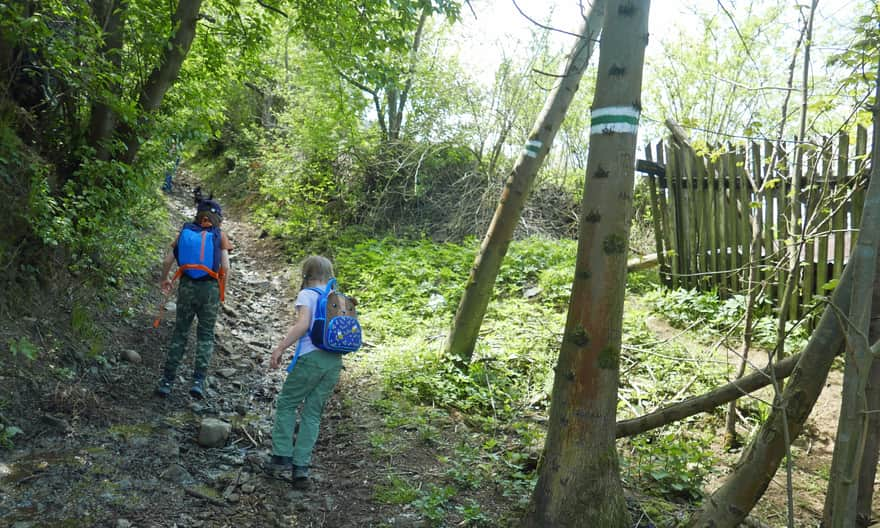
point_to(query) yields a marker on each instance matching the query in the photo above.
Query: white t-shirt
(309, 299)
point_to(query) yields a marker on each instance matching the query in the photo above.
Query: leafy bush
(673, 462)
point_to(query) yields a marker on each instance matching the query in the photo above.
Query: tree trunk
(103, 119)
(706, 402)
(579, 481)
(872, 441)
(165, 73)
(472, 308)
(396, 118)
(841, 500)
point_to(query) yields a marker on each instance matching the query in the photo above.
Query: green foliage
(347, 36)
(396, 490)
(7, 433)
(709, 313)
(22, 347)
(672, 462)
(404, 280)
(433, 501)
(860, 56)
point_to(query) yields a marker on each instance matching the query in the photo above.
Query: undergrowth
(408, 292)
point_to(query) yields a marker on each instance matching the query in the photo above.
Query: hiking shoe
(198, 388)
(279, 467)
(164, 387)
(301, 477)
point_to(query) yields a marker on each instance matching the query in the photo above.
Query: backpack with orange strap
(198, 250)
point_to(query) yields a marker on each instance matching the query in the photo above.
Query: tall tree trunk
(472, 308)
(103, 119)
(395, 117)
(872, 441)
(841, 500)
(165, 73)
(579, 481)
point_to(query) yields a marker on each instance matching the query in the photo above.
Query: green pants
(194, 299)
(311, 382)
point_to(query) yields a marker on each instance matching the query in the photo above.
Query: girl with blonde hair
(310, 383)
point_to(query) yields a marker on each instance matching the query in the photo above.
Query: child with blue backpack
(312, 376)
(201, 251)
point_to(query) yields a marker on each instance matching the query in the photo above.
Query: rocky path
(100, 450)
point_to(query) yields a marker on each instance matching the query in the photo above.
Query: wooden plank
(838, 221)
(810, 196)
(723, 226)
(672, 181)
(810, 193)
(703, 220)
(665, 214)
(767, 202)
(691, 238)
(860, 183)
(734, 219)
(745, 212)
(795, 228)
(707, 221)
(712, 226)
(782, 205)
(659, 235)
(823, 220)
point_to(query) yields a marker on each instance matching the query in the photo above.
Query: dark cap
(209, 206)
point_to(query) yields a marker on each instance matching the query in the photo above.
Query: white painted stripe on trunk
(617, 128)
(628, 111)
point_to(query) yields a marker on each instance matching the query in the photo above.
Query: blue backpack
(198, 251)
(335, 327)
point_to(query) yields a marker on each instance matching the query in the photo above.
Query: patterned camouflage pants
(194, 299)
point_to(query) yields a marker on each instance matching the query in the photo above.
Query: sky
(490, 26)
(495, 25)
(489, 29)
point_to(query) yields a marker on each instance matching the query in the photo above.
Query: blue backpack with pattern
(335, 326)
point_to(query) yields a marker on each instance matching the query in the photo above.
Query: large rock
(214, 432)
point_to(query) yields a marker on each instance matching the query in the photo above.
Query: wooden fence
(804, 203)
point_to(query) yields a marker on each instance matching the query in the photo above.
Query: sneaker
(164, 388)
(301, 477)
(198, 388)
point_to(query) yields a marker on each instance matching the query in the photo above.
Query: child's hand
(275, 361)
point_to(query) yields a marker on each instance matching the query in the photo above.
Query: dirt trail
(102, 450)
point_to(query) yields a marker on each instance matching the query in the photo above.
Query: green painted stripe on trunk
(614, 118)
(532, 147)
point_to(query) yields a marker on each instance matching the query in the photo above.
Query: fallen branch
(706, 402)
(249, 437)
(204, 496)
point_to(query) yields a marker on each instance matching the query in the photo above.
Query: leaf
(11, 431)
(659, 474)
(830, 285)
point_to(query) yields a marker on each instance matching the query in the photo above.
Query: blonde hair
(316, 268)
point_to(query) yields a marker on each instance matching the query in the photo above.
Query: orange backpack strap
(219, 277)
